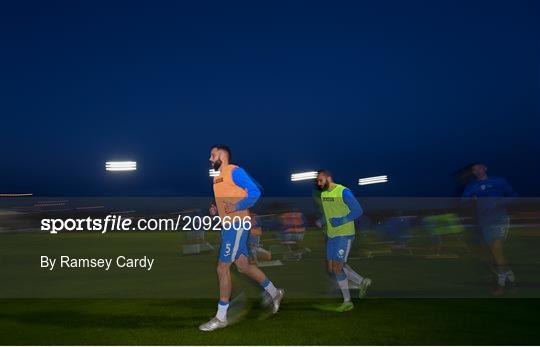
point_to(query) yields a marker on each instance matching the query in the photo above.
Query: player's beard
(216, 165)
(324, 187)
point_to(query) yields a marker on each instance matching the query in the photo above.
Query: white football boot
(213, 324)
(277, 300)
(364, 286)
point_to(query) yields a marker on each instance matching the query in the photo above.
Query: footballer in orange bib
(235, 192)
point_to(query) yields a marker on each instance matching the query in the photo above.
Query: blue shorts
(233, 244)
(338, 247)
(495, 231)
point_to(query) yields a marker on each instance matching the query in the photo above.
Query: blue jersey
(253, 193)
(489, 205)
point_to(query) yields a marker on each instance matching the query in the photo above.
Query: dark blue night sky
(412, 89)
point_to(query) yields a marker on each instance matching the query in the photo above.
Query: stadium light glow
(213, 173)
(89, 207)
(14, 195)
(373, 180)
(121, 166)
(302, 176)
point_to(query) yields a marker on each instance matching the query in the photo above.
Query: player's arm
(355, 210)
(321, 221)
(242, 179)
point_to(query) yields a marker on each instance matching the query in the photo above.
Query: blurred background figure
(489, 197)
(196, 243)
(257, 254)
(397, 229)
(291, 234)
(444, 228)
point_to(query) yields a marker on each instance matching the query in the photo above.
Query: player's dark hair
(325, 172)
(471, 165)
(223, 148)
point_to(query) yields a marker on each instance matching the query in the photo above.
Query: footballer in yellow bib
(340, 208)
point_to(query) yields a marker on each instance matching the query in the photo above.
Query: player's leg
(498, 254)
(329, 255)
(342, 280)
(252, 271)
(225, 289)
(495, 236)
(337, 255)
(363, 283)
(503, 270)
(240, 256)
(343, 283)
(352, 275)
(256, 274)
(226, 256)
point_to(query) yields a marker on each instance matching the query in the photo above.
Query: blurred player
(196, 243)
(492, 217)
(340, 209)
(256, 251)
(235, 192)
(293, 228)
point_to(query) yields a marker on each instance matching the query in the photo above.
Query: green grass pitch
(171, 322)
(386, 317)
